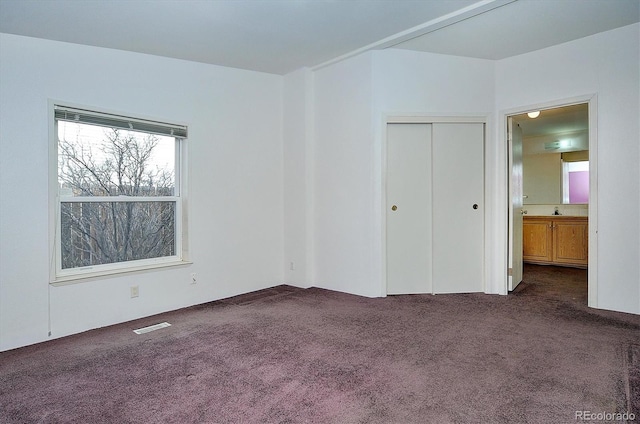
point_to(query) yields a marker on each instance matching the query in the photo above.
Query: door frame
(422, 119)
(512, 215)
(592, 101)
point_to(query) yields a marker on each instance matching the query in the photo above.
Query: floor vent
(152, 328)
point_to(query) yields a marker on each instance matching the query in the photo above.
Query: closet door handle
(475, 206)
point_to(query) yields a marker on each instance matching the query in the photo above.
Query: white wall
(235, 194)
(297, 182)
(343, 190)
(606, 64)
(352, 98)
(408, 82)
(261, 197)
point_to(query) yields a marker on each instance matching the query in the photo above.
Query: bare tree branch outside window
(96, 162)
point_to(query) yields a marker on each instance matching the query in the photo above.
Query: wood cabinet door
(537, 240)
(570, 242)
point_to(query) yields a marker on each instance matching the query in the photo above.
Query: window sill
(86, 276)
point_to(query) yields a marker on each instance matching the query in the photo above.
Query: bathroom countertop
(555, 216)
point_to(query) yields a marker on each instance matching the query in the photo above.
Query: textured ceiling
(276, 36)
(279, 36)
(526, 25)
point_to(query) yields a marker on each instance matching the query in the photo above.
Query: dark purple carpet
(288, 355)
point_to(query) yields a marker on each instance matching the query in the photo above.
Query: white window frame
(60, 276)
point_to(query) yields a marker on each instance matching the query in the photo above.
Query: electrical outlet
(135, 291)
(292, 266)
(193, 278)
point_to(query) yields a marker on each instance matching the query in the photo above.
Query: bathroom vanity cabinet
(556, 240)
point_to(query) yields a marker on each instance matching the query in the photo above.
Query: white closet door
(458, 207)
(408, 206)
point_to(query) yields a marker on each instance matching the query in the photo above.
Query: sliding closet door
(458, 212)
(435, 208)
(408, 208)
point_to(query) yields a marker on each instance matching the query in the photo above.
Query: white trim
(54, 228)
(592, 101)
(120, 120)
(118, 199)
(64, 280)
(592, 273)
(101, 110)
(183, 173)
(418, 118)
(421, 118)
(565, 182)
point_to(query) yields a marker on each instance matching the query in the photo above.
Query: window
(119, 203)
(575, 182)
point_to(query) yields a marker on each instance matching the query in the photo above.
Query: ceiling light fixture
(533, 114)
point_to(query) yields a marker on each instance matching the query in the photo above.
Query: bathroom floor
(555, 283)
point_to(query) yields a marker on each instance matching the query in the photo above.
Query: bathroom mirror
(555, 162)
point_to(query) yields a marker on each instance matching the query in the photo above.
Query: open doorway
(551, 192)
